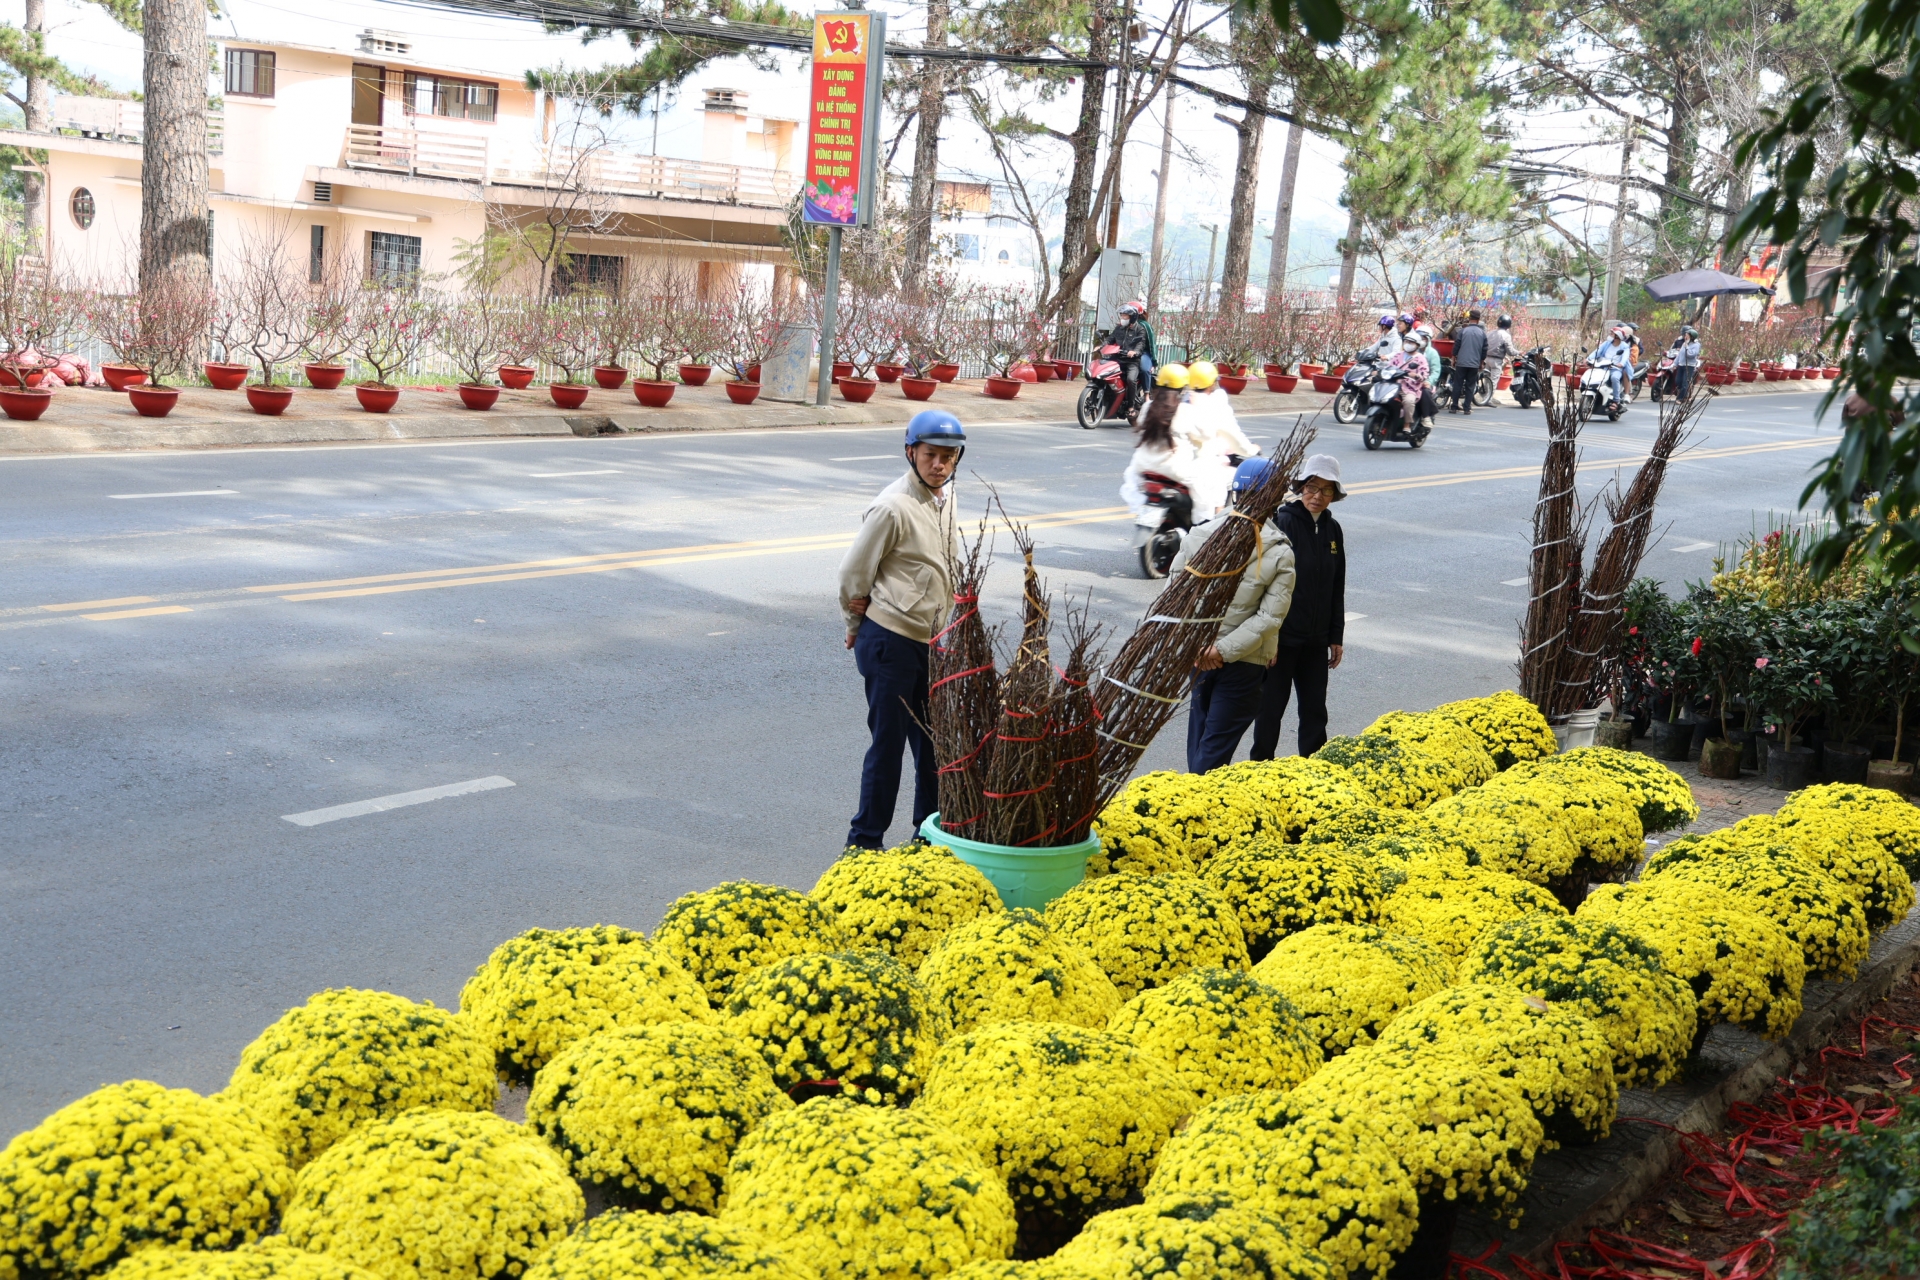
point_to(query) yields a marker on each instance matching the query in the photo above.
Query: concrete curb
(1576, 1189)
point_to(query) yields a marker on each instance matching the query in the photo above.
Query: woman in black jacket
(1311, 637)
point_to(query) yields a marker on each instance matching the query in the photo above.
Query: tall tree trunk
(1283, 213)
(1085, 141)
(33, 187)
(926, 151)
(173, 171)
(1157, 272)
(1349, 257)
(1677, 239)
(1252, 128)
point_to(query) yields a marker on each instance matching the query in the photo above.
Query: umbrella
(1702, 282)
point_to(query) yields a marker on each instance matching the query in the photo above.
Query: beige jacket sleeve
(1254, 638)
(879, 534)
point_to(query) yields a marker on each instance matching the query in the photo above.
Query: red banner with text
(837, 119)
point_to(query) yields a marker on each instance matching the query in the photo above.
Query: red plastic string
(958, 675)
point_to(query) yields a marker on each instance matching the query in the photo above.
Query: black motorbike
(1530, 375)
(1159, 544)
(1385, 420)
(1351, 398)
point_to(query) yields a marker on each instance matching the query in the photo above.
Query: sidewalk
(85, 420)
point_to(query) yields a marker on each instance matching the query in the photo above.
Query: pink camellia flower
(1759, 664)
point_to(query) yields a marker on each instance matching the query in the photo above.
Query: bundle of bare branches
(1149, 678)
(1559, 543)
(1596, 625)
(1020, 769)
(1076, 791)
(963, 695)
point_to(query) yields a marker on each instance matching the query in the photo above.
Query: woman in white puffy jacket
(1156, 448)
(1207, 424)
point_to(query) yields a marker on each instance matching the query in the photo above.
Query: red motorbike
(1106, 394)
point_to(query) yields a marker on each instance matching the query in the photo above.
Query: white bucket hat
(1322, 466)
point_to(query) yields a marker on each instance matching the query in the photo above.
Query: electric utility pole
(1616, 241)
(1206, 294)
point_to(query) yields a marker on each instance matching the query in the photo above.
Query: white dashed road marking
(380, 804)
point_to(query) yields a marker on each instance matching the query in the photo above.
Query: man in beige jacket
(896, 593)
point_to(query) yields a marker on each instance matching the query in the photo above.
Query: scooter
(1662, 380)
(1106, 394)
(1158, 543)
(1596, 394)
(1530, 374)
(1385, 421)
(1352, 396)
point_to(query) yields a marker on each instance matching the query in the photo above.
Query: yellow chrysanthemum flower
(1522, 832)
(269, 1259)
(1277, 889)
(720, 933)
(1602, 817)
(1399, 775)
(1148, 930)
(902, 900)
(1510, 728)
(1223, 1032)
(1171, 823)
(1835, 844)
(1205, 1237)
(1450, 904)
(619, 1245)
(1011, 967)
(1443, 738)
(1302, 794)
(1665, 800)
(1347, 982)
(1880, 815)
(1825, 918)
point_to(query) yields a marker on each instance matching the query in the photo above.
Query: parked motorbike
(1158, 543)
(1661, 383)
(1385, 421)
(1530, 374)
(1106, 394)
(1352, 396)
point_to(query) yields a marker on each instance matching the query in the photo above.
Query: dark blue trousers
(1682, 380)
(895, 669)
(1302, 667)
(1224, 703)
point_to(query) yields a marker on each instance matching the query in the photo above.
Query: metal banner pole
(828, 304)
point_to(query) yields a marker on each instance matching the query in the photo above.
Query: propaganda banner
(843, 118)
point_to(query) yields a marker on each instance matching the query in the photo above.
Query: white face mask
(1410, 348)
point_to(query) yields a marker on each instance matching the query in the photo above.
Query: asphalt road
(639, 633)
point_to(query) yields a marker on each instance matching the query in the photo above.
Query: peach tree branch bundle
(963, 696)
(1149, 678)
(1559, 542)
(1020, 774)
(1076, 748)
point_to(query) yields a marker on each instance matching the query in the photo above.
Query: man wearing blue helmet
(896, 594)
(1228, 677)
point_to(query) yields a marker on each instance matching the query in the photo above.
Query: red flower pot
(1284, 383)
(1830, 372)
(944, 372)
(918, 388)
(842, 369)
(753, 373)
(1043, 370)
(324, 377)
(1774, 375)
(857, 390)
(696, 375)
(743, 392)
(652, 394)
(1506, 380)
(1325, 383)
(609, 377)
(1559, 370)
(226, 377)
(1272, 368)
(121, 376)
(24, 404)
(1066, 370)
(1234, 383)
(478, 395)
(889, 372)
(568, 395)
(516, 377)
(151, 402)
(1444, 346)
(35, 378)
(1025, 372)
(1003, 388)
(375, 398)
(272, 401)
(1308, 370)
(1340, 370)
(1748, 374)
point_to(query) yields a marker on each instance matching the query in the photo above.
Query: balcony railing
(429, 153)
(119, 120)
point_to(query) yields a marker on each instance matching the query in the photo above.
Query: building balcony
(433, 153)
(119, 120)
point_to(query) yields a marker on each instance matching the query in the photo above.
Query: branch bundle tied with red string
(1148, 679)
(963, 695)
(1020, 770)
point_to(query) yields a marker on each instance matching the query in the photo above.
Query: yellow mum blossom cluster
(1510, 728)
(541, 991)
(1301, 795)
(652, 1114)
(1328, 1172)
(721, 933)
(1148, 930)
(1554, 1054)
(1223, 1032)
(1399, 775)
(130, 1167)
(346, 1057)
(1825, 920)
(1601, 816)
(269, 1259)
(435, 1195)
(901, 900)
(1450, 904)
(1347, 981)
(619, 1245)
(1646, 1013)
(1831, 842)
(1071, 1118)
(1186, 1235)
(857, 1020)
(1164, 822)
(1743, 968)
(1445, 739)
(1665, 800)
(1013, 967)
(867, 1193)
(1277, 889)
(1517, 831)
(1881, 815)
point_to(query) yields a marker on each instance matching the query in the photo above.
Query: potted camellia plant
(1901, 676)
(391, 328)
(1790, 684)
(473, 344)
(1864, 633)
(1724, 646)
(570, 342)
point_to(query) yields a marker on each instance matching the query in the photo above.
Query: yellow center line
(136, 613)
(96, 604)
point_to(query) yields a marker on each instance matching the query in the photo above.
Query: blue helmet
(1249, 474)
(936, 426)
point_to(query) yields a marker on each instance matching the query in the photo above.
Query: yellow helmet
(1201, 375)
(1171, 375)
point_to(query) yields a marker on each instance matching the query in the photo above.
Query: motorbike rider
(1389, 338)
(1686, 360)
(1613, 355)
(1156, 448)
(1207, 423)
(1500, 347)
(1136, 356)
(1409, 368)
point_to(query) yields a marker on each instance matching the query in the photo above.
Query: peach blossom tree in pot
(391, 328)
(472, 341)
(264, 313)
(570, 341)
(160, 331)
(329, 330)
(39, 312)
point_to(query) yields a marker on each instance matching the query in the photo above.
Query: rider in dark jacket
(1469, 350)
(1135, 340)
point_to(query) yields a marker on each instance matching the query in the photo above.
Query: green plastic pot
(1025, 877)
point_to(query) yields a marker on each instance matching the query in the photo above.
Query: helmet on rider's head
(1201, 375)
(1506, 322)
(1386, 319)
(1420, 338)
(1132, 309)
(1171, 375)
(1250, 474)
(936, 426)
(1406, 318)
(1688, 331)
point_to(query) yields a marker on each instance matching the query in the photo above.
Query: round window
(80, 205)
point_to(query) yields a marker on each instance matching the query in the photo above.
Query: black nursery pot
(1427, 1256)
(1670, 740)
(1790, 769)
(1844, 762)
